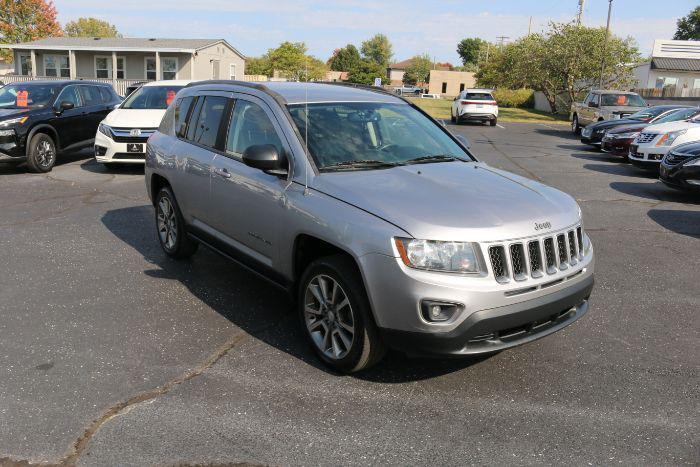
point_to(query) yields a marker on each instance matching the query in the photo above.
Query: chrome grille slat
(644, 138)
(562, 251)
(550, 255)
(533, 253)
(579, 236)
(517, 259)
(572, 247)
(497, 255)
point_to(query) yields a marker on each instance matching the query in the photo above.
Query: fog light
(435, 311)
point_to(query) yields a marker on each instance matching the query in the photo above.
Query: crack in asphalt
(524, 169)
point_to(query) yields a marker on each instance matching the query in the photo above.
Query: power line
(502, 39)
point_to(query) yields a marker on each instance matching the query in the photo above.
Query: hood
(134, 118)
(453, 200)
(6, 114)
(638, 126)
(661, 128)
(611, 123)
(623, 108)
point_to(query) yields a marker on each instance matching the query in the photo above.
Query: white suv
(655, 141)
(121, 136)
(475, 104)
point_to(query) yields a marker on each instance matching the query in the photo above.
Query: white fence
(119, 85)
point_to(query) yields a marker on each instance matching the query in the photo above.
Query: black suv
(40, 118)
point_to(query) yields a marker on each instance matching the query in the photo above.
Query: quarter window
(250, 126)
(56, 65)
(209, 119)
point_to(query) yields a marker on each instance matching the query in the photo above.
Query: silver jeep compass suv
(382, 224)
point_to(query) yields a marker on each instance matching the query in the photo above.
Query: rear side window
(105, 95)
(182, 107)
(250, 126)
(208, 121)
(90, 95)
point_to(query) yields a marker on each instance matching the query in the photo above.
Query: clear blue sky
(414, 27)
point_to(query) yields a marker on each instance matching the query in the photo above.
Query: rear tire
(171, 226)
(494, 122)
(452, 117)
(41, 154)
(575, 127)
(336, 317)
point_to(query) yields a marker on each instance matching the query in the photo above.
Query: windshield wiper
(433, 158)
(359, 164)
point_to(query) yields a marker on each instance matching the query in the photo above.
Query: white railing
(668, 91)
(119, 85)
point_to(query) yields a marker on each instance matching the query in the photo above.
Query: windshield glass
(23, 95)
(151, 97)
(625, 100)
(341, 134)
(680, 114)
(648, 113)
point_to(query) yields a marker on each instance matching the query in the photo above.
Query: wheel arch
(42, 128)
(157, 182)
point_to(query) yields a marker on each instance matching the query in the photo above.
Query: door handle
(222, 173)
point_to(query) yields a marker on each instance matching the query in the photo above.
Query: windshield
(624, 100)
(677, 115)
(23, 95)
(648, 113)
(151, 97)
(364, 135)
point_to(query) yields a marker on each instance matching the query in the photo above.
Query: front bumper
(618, 147)
(680, 177)
(647, 157)
(11, 150)
(500, 328)
(108, 151)
(480, 116)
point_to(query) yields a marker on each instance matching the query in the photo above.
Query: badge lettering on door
(542, 225)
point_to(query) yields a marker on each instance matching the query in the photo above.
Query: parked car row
(661, 138)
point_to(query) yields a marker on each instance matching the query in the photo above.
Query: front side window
(90, 95)
(151, 68)
(69, 94)
(341, 134)
(168, 67)
(151, 97)
(182, 107)
(595, 99)
(625, 100)
(250, 126)
(13, 96)
(207, 127)
(56, 65)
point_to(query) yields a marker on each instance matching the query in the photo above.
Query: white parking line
(499, 126)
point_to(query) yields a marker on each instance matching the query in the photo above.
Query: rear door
(94, 110)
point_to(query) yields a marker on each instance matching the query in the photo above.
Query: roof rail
(246, 84)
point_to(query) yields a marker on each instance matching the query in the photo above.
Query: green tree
(26, 20)
(566, 59)
(90, 27)
(366, 71)
(471, 50)
(419, 70)
(345, 59)
(377, 49)
(257, 66)
(292, 62)
(688, 27)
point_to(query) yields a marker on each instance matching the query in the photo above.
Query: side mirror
(64, 105)
(266, 158)
(463, 139)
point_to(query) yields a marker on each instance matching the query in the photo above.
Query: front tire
(575, 127)
(171, 226)
(336, 317)
(41, 154)
(452, 117)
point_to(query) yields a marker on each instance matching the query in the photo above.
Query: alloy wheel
(46, 153)
(329, 317)
(167, 223)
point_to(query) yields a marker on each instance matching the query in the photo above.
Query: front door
(249, 203)
(68, 123)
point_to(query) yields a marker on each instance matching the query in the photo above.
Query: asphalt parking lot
(113, 354)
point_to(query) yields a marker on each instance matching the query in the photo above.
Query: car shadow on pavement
(126, 169)
(599, 157)
(564, 133)
(62, 159)
(678, 221)
(247, 301)
(655, 191)
(620, 169)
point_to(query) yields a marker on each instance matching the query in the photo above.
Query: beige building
(673, 71)
(450, 83)
(395, 72)
(124, 60)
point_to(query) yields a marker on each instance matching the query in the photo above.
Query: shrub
(523, 98)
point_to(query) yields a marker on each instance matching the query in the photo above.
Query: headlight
(627, 135)
(670, 137)
(435, 255)
(13, 121)
(105, 130)
(692, 162)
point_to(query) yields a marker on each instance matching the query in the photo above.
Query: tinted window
(210, 113)
(105, 95)
(182, 106)
(151, 97)
(90, 95)
(69, 94)
(681, 114)
(250, 126)
(595, 98)
(27, 95)
(479, 96)
(623, 100)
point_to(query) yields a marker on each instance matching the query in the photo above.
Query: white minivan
(121, 136)
(475, 104)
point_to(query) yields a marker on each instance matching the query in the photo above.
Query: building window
(232, 71)
(103, 67)
(56, 65)
(444, 88)
(25, 65)
(461, 87)
(665, 82)
(168, 67)
(150, 68)
(696, 83)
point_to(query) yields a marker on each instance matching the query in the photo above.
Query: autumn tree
(26, 20)
(90, 27)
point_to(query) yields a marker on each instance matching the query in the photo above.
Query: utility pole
(529, 26)
(579, 16)
(502, 39)
(605, 46)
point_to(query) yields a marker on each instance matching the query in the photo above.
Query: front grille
(644, 138)
(535, 258)
(129, 155)
(123, 135)
(499, 263)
